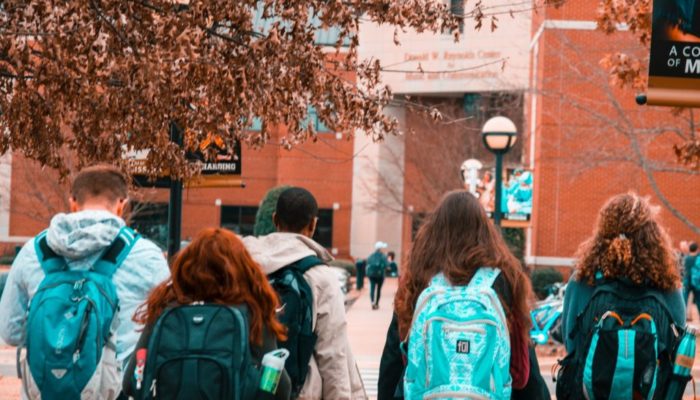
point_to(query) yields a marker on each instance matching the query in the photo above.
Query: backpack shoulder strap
(117, 252)
(306, 264)
(48, 259)
(484, 278)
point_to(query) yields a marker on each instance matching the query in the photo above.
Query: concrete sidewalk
(10, 385)
(367, 331)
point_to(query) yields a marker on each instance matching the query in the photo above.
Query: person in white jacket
(333, 373)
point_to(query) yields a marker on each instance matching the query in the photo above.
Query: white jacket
(333, 373)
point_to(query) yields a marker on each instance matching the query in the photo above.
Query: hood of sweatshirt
(277, 250)
(82, 234)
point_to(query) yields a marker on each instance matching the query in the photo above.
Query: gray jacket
(80, 238)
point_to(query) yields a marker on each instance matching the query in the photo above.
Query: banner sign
(674, 62)
(516, 198)
(221, 169)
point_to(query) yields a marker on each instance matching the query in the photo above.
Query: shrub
(347, 265)
(7, 259)
(263, 218)
(543, 278)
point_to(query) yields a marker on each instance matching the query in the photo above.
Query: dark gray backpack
(200, 351)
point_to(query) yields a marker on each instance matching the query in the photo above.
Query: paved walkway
(367, 331)
(9, 384)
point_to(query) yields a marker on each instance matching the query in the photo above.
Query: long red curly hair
(628, 242)
(217, 268)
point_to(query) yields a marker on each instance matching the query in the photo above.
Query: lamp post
(499, 135)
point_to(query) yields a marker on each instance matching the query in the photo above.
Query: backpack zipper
(424, 302)
(465, 329)
(452, 395)
(153, 388)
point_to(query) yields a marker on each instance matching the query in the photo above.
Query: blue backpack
(695, 273)
(70, 341)
(458, 345)
(376, 265)
(624, 341)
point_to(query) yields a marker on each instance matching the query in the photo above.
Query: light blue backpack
(458, 345)
(70, 341)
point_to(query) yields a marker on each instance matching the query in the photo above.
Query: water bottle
(683, 365)
(273, 365)
(685, 356)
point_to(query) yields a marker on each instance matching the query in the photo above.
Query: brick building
(587, 140)
(583, 139)
(325, 168)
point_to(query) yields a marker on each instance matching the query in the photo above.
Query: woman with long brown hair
(455, 241)
(216, 269)
(627, 270)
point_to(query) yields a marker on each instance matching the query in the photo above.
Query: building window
(151, 221)
(457, 9)
(416, 222)
(324, 228)
(239, 219)
(256, 125)
(472, 105)
(313, 119)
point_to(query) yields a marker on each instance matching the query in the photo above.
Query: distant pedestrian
(691, 275)
(361, 266)
(393, 267)
(84, 276)
(321, 364)
(219, 299)
(624, 295)
(377, 264)
(462, 313)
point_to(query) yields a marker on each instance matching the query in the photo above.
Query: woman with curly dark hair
(626, 281)
(455, 242)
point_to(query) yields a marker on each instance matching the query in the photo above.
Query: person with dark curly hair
(627, 270)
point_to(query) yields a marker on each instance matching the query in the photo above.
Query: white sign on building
(481, 61)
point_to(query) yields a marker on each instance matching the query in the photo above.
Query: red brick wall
(582, 157)
(324, 167)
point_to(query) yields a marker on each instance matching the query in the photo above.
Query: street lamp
(499, 135)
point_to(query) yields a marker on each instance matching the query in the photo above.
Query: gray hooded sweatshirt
(80, 238)
(333, 373)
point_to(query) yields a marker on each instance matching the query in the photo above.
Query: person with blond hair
(623, 309)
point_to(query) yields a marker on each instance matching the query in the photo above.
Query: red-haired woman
(216, 268)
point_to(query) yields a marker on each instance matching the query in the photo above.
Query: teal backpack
(376, 265)
(70, 342)
(695, 272)
(458, 345)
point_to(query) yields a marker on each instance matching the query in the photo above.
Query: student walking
(321, 364)
(691, 275)
(461, 312)
(393, 266)
(623, 309)
(217, 302)
(377, 263)
(84, 277)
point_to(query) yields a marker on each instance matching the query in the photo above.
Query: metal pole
(499, 194)
(175, 205)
